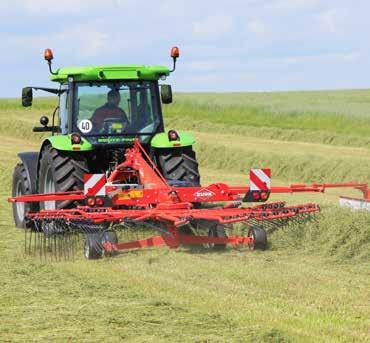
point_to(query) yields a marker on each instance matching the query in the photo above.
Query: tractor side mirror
(166, 94)
(27, 96)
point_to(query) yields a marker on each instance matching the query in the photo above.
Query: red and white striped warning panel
(94, 184)
(260, 179)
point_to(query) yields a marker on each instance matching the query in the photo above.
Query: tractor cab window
(63, 110)
(116, 109)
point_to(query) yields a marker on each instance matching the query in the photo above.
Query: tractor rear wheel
(178, 165)
(21, 187)
(60, 172)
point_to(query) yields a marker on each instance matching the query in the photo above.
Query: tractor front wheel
(21, 187)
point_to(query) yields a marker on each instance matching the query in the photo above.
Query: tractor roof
(110, 72)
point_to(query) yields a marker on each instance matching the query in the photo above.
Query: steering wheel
(114, 125)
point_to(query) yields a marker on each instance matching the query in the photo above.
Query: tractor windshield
(116, 112)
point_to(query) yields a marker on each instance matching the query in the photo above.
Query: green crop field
(312, 285)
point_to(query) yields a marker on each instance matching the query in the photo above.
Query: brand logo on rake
(204, 193)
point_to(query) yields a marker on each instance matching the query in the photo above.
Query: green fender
(160, 140)
(63, 142)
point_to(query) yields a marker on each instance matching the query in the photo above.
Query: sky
(234, 45)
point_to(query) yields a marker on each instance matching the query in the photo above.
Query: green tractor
(101, 110)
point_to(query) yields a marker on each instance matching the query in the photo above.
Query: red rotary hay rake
(136, 199)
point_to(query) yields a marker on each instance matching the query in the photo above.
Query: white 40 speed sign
(85, 125)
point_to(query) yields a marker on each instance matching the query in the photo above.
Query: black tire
(111, 237)
(178, 164)
(93, 249)
(186, 230)
(259, 237)
(21, 186)
(217, 230)
(66, 170)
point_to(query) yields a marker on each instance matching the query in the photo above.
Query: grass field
(312, 285)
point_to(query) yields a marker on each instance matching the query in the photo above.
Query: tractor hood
(110, 72)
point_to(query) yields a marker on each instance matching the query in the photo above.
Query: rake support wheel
(212, 229)
(259, 238)
(217, 230)
(93, 248)
(110, 237)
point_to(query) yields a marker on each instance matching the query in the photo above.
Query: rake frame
(153, 199)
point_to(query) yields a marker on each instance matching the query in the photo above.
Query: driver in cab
(109, 111)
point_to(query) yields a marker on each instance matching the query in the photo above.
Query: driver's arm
(97, 120)
(123, 114)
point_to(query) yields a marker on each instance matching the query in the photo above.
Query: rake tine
(58, 252)
(64, 245)
(54, 252)
(74, 237)
(50, 247)
(34, 243)
(45, 247)
(39, 241)
(62, 235)
(29, 242)
(25, 241)
(67, 245)
(65, 239)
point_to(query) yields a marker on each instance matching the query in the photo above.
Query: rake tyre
(212, 229)
(93, 249)
(111, 237)
(179, 164)
(21, 186)
(259, 238)
(217, 230)
(61, 172)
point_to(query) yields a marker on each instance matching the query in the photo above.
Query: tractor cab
(112, 112)
(107, 104)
